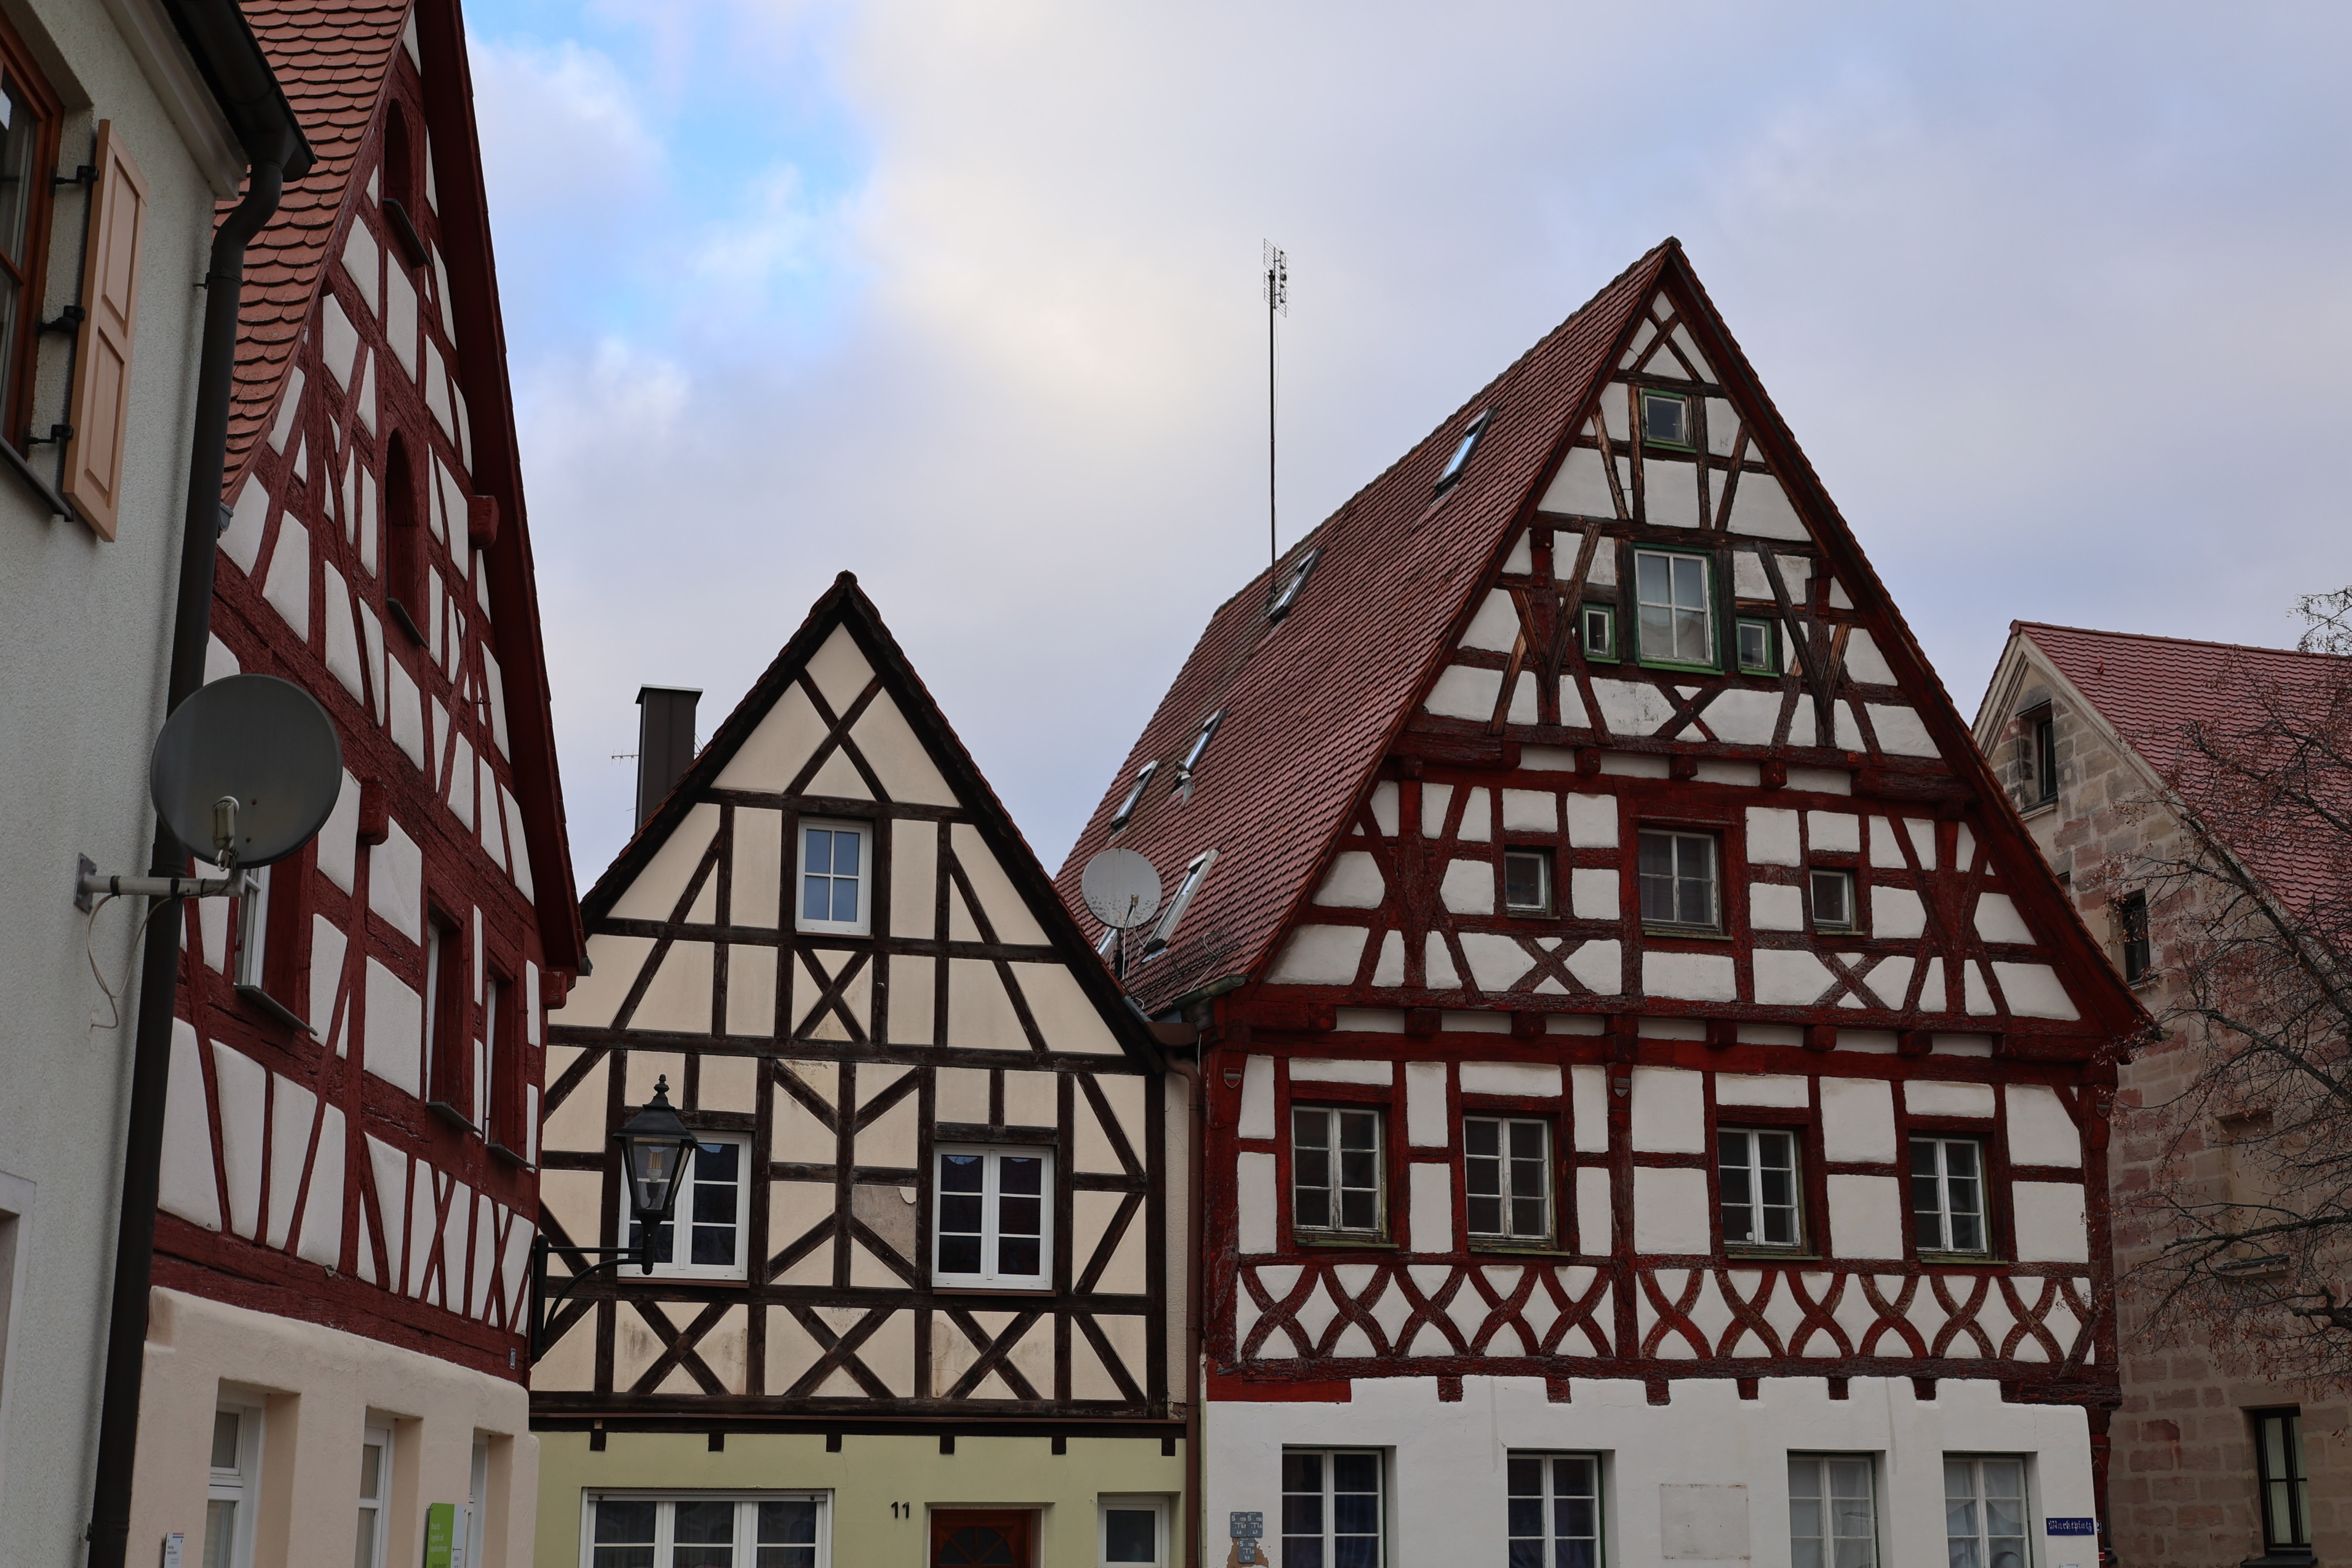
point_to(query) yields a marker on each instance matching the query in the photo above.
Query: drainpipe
(233, 65)
(1189, 1071)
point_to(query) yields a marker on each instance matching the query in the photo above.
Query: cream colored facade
(317, 1390)
(861, 1483)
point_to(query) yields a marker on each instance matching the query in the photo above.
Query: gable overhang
(844, 607)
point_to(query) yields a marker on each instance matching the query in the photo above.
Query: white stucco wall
(319, 1388)
(84, 629)
(1446, 1484)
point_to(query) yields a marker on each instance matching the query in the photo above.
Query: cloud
(964, 297)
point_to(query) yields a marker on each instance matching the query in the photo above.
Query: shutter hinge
(87, 175)
(57, 433)
(67, 320)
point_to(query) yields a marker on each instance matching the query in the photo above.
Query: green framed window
(1666, 419)
(1758, 643)
(1597, 626)
(1677, 594)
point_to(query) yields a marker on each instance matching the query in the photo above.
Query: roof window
(1134, 797)
(1288, 596)
(1200, 743)
(1194, 876)
(1460, 458)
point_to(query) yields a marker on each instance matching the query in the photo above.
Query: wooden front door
(980, 1540)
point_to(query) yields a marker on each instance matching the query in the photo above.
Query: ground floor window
(1832, 1511)
(1331, 1508)
(1555, 1511)
(781, 1529)
(1984, 1513)
(1134, 1531)
(234, 1490)
(2286, 1493)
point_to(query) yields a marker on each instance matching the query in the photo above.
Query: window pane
(1481, 1138)
(225, 1434)
(844, 854)
(1022, 1173)
(1523, 881)
(788, 1524)
(816, 898)
(624, 1534)
(220, 1537)
(845, 898)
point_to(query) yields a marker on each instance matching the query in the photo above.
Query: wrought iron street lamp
(655, 1145)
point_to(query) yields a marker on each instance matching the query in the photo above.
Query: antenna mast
(1277, 303)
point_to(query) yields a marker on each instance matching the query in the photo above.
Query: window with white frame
(1984, 1513)
(1677, 606)
(704, 1238)
(993, 1226)
(774, 1529)
(1756, 1173)
(1833, 900)
(1832, 1511)
(1947, 1194)
(1526, 881)
(1331, 1508)
(1679, 880)
(1133, 1532)
(1507, 1175)
(836, 868)
(1336, 1170)
(233, 1493)
(1555, 1509)
(375, 1485)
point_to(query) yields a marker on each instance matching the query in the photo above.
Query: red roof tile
(332, 57)
(1397, 565)
(2159, 692)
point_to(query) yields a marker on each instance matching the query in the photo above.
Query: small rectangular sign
(175, 1547)
(440, 1534)
(2071, 1527)
(1246, 1526)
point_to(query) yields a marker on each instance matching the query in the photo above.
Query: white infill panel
(187, 1185)
(1670, 1210)
(1064, 1015)
(2040, 1130)
(1254, 1183)
(654, 893)
(1595, 1222)
(897, 758)
(1865, 1215)
(1427, 1116)
(320, 1238)
(1354, 882)
(1928, 1098)
(1258, 1098)
(1495, 627)
(1588, 1107)
(1762, 1088)
(2050, 1222)
(779, 746)
(392, 1048)
(1308, 1070)
(1519, 1079)
(1857, 1119)
(1431, 1186)
(1320, 955)
(1669, 1111)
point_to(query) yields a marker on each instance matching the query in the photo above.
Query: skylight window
(1134, 797)
(1288, 596)
(1200, 743)
(1460, 458)
(1194, 874)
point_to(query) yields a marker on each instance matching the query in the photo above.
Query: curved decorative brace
(542, 1308)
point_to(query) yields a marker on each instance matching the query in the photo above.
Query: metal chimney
(665, 742)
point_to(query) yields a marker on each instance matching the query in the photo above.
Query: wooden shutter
(99, 403)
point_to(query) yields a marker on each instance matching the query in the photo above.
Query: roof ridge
(2164, 637)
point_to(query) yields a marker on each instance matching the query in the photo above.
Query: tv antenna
(1123, 890)
(1277, 303)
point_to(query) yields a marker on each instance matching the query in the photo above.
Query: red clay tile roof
(2154, 690)
(332, 57)
(1396, 568)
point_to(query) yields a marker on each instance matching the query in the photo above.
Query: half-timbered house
(914, 1305)
(1654, 1099)
(349, 1191)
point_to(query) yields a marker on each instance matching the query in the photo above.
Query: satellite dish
(263, 743)
(1122, 888)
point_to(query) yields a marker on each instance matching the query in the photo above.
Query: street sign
(1246, 1526)
(2071, 1527)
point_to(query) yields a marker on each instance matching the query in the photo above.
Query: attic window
(1194, 874)
(1288, 596)
(1134, 797)
(1200, 743)
(1460, 458)
(1666, 419)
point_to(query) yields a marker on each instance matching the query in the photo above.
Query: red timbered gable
(353, 1127)
(1598, 912)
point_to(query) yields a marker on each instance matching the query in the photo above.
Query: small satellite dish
(260, 742)
(1122, 888)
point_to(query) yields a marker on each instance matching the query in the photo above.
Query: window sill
(1686, 669)
(958, 1288)
(1737, 1252)
(1502, 1246)
(264, 1002)
(451, 1114)
(1963, 1260)
(1327, 1242)
(1685, 934)
(2038, 807)
(509, 1156)
(2282, 1557)
(397, 612)
(41, 489)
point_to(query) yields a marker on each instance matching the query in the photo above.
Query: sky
(964, 297)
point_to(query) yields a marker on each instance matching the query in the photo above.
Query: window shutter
(110, 292)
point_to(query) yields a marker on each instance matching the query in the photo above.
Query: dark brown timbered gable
(938, 1013)
(1579, 823)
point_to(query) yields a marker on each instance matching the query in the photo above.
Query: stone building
(2207, 1468)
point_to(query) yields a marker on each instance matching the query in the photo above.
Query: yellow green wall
(866, 1477)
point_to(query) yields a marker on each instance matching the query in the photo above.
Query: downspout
(1189, 1071)
(151, 1063)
